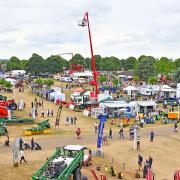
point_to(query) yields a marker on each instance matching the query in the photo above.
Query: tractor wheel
(13, 106)
(77, 175)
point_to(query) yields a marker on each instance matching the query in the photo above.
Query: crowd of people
(70, 120)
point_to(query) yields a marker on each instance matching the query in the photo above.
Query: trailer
(62, 164)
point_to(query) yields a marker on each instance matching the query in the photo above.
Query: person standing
(6, 143)
(152, 136)
(96, 127)
(140, 161)
(67, 120)
(32, 144)
(138, 142)
(121, 133)
(75, 119)
(21, 144)
(175, 126)
(130, 133)
(110, 133)
(22, 156)
(52, 112)
(150, 161)
(48, 113)
(72, 120)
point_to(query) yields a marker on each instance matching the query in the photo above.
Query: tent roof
(167, 88)
(147, 103)
(130, 88)
(115, 104)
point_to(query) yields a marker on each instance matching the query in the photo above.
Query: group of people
(25, 146)
(49, 112)
(70, 120)
(147, 164)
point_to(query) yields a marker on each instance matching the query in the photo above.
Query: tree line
(144, 66)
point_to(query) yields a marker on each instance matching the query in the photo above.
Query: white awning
(130, 88)
(146, 103)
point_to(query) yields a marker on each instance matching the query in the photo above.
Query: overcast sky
(119, 28)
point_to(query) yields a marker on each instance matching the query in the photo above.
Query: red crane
(85, 22)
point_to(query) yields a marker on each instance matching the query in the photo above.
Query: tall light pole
(85, 22)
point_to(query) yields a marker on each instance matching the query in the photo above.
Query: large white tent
(131, 90)
(57, 95)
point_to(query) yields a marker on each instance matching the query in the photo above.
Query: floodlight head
(83, 22)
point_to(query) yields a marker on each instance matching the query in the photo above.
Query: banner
(102, 119)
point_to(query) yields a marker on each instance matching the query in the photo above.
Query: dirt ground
(164, 150)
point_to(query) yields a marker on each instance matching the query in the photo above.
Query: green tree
(111, 64)
(24, 64)
(152, 80)
(39, 81)
(14, 64)
(88, 63)
(176, 75)
(36, 64)
(77, 59)
(130, 62)
(145, 67)
(115, 81)
(102, 79)
(136, 78)
(55, 64)
(164, 66)
(49, 82)
(2, 82)
(7, 85)
(177, 63)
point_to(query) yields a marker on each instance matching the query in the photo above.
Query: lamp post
(85, 22)
(72, 58)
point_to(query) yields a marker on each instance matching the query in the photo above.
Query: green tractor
(62, 164)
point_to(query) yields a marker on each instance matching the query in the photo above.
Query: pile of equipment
(41, 128)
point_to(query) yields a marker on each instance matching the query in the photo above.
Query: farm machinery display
(6, 112)
(64, 162)
(10, 104)
(41, 128)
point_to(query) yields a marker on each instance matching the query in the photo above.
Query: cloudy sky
(119, 28)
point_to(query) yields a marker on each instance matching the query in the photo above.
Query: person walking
(152, 136)
(121, 133)
(140, 161)
(138, 143)
(32, 144)
(22, 156)
(78, 133)
(110, 133)
(105, 142)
